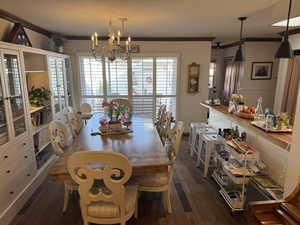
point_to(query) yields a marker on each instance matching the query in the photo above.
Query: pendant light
(239, 57)
(285, 51)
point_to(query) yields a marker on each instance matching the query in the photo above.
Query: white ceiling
(152, 18)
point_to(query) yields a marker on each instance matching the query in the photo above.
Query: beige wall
(252, 89)
(200, 52)
(293, 166)
(37, 40)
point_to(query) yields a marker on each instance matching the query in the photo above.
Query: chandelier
(116, 46)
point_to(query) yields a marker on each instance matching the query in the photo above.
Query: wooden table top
(143, 147)
(283, 139)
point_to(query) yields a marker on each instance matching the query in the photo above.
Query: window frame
(129, 69)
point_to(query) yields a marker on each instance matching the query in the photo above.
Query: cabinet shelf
(43, 148)
(18, 118)
(35, 71)
(36, 109)
(39, 128)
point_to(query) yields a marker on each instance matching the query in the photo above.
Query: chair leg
(66, 199)
(136, 208)
(207, 157)
(167, 201)
(169, 206)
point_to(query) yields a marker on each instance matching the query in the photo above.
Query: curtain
(289, 100)
(233, 73)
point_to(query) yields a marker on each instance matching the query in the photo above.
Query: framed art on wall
(193, 78)
(261, 71)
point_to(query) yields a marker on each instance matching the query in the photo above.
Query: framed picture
(261, 71)
(193, 78)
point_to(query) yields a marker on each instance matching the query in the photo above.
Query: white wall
(199, 52)
(37, 40)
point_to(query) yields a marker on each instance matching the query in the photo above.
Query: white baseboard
(11, 211)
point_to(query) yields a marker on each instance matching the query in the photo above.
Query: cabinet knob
(11, 192)
(24, 143)
(25, 156)
(7, 171)
(28, 174)
(6, 156)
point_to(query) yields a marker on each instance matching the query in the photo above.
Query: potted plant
(39, 96)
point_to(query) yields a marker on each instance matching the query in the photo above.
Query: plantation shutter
(91, 82)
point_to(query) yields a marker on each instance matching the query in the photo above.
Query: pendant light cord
(241, 31)
(288, 20)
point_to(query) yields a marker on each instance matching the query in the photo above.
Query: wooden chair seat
(154, 180)
(86, 116)
(294, 211)
(109, 210)
(268, 218)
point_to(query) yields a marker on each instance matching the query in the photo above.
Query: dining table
(142, 147)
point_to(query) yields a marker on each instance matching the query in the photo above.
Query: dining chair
(75, 121)
(60, 140)
(166, 126)
(105, 198)
(85, 111)
(161, 111)
(66, 121)
(161, 182)
(127, 106)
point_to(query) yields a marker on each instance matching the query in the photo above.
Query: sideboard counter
(282, 139)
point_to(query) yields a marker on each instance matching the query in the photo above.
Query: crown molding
(82, 38)
(249, 39)
(14, 19)
(291, 32)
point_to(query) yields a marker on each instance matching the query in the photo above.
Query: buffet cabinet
(25, 149)
(17, 160)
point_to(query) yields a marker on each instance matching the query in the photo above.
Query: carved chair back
(111, 169)
(58, 136)
(75, 123)
(175, 136)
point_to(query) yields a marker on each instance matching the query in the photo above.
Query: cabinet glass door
(4, 138)
(13, 77)
(54, 87)
(60, 65)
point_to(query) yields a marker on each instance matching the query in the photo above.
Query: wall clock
(193, 78)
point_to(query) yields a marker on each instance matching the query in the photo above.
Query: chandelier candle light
(113, 48)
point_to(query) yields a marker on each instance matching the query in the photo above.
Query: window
(91, 83)
(116, 78)
(151, 82)
(211, 75)
(166, 83)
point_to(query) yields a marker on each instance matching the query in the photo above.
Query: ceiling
(152, 18)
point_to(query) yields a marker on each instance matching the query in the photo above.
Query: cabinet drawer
(11, 167)
(15, 152)
(13, 186)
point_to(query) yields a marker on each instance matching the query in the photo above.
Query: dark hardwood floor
(195, 201)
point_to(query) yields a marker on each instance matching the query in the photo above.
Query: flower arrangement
(116, 117)
(115, 111)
